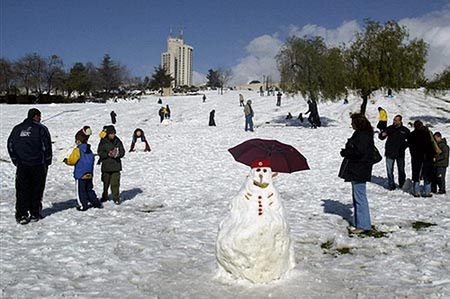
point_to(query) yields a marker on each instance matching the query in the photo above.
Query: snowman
(253, 242)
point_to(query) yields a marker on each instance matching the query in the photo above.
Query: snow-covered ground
(160, 242)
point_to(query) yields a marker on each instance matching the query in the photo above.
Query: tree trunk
(364, 97)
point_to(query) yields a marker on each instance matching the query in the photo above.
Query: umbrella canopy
(283, 157)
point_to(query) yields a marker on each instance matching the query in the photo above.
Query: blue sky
(221, 32)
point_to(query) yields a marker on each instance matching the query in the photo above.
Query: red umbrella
(283, 157)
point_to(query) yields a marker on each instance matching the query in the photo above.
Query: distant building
(177, 61)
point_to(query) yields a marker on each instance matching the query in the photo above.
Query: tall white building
(177, 61)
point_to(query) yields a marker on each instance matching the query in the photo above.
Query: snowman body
(254, 242)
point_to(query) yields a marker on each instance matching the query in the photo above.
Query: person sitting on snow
(138, 133)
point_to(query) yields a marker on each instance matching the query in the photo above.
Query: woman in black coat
(357, 169)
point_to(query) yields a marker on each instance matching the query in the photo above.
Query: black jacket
(358, 153)
(397, 141)
(420, 145)
(110, 164)
(30, 144)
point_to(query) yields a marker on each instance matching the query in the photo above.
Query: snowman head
(261, 173)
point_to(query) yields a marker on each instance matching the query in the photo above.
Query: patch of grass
(343, 250)
(327, 245)
(374, 233)
(418, 225)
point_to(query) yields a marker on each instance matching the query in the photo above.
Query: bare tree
(54, 73)
(30, 70)
(7, 75)
(225, 76)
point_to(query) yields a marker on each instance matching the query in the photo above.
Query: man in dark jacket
(30, 149)
(396, 144)
(110, 151)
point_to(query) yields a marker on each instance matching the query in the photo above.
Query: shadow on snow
(433, 120)
(295, 122)
(331, 206)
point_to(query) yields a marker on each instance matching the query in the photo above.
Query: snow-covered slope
(159, 243)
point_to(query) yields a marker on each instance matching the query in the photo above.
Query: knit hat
(87, 130)
(110, 129)
(81, 136)
(33, 112)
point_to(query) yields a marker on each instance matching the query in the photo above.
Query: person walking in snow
(440, 164)
(82, 158)
(241, 100)
(139, 134)
(30, 150)
(204, 98)
(212, 122)
(248, 112)
(279, 94)
(422, 153)
(113, 117)
(357, 169)
(111, 151)
(382, 119)
(396, 136)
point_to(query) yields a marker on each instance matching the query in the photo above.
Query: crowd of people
(429, 161)
(30, 149)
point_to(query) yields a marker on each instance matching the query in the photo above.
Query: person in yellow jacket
(82, 158)
(382, 119)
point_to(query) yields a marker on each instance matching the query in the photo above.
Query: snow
(160, 242)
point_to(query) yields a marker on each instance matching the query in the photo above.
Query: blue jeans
(249, 123)
(390, 171)
(361, 206)
(426, 189)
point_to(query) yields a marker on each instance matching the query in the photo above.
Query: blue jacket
(86, 162)
(30, 144)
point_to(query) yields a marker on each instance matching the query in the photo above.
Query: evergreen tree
(160, 79)
(79, 80)
(213, 78)
(110, 74)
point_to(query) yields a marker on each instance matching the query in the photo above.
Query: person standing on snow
(82, 158)
(313, 117)
(113, 117)
(30, 149)
(204, 98)
(382, 119)
(248, 112)
(396, 144)
(279, 98)
(110, 151)
(241, 100)
(167, 114)
(357, 169)
(212, 122)
(422, 153)
(440, 164)
(161, 113)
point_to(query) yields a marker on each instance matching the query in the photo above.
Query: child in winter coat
(82, 158)
(111, 151)
(440, 164)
